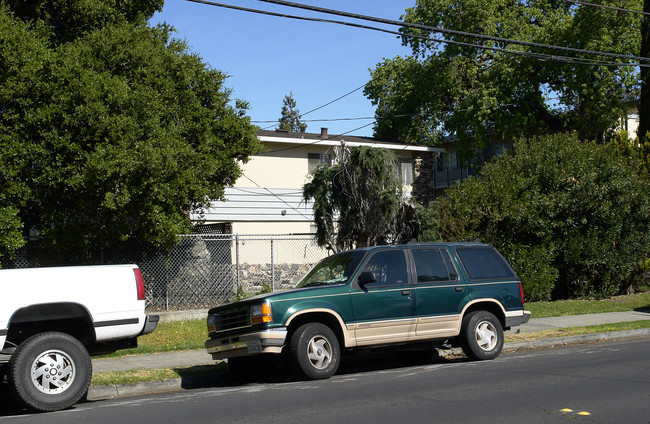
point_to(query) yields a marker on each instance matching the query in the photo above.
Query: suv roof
(432, 244)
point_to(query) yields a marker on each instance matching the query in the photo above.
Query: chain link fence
(204, 270)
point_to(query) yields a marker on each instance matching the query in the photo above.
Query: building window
(316, 159)
(448, 161)
(406, 171)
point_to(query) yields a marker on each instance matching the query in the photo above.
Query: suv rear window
(431, 266)
(482, 263)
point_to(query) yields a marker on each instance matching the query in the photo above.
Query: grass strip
(144, 375)
(559, 308)
(169, 337)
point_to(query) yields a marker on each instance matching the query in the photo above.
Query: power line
(276, 196)
(537, 56)
(333, 101)
(362, 118)
(448, 31)
(330, 138)
(313, 110)
(602, 6)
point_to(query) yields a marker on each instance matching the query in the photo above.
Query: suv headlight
(261, 313)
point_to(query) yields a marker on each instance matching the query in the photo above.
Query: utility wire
(277, 197)
(335, 100)
(602, 6)
(537, 56)
(313, 110)
(448, 31)
(362, 118)
(330, 138)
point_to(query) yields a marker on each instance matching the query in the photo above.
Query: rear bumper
(516, 318)
(150, 324)
(267, 341)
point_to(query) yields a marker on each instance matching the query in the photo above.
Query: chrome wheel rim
(486, 335)
(53, 372)
(319, 352)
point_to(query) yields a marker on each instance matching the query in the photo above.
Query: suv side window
(484, 263)
(432, 265)
(389, 267)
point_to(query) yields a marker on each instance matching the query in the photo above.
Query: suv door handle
(459, 289)
(406, 292)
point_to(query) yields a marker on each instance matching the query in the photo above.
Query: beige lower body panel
(438, 327)
(404, 331)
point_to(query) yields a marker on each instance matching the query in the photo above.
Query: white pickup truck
(53, 319)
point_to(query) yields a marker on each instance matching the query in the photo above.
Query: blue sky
(268, 57)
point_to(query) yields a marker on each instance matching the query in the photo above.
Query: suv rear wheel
(481, 336)
(315, 351)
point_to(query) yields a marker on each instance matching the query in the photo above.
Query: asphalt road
(598, 383)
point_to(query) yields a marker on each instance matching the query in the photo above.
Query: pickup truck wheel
(49, 372)
(315, 351)
(481, 335)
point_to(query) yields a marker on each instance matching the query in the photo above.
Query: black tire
(314, 351)
(49, 372)
(481, 335)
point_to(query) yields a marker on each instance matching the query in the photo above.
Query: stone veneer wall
(423, 165)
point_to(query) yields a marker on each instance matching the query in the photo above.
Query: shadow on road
(270, 370)
(276, 369)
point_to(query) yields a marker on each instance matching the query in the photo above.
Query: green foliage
(573, 218)
(484, 96)
(358, 201)
(290, 120)
(66, 20)
(112, 134)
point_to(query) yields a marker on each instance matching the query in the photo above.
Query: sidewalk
(540, 324)
(187, 359)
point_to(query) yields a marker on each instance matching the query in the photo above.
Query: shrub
(573, 218)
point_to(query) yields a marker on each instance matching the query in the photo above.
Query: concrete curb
(158, 386)
(580, 339)
(122, 390)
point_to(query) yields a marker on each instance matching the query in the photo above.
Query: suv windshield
(333, 270)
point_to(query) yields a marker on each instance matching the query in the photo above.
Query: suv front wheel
(315, 351)
(481, 336)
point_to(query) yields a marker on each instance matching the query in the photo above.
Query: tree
(644, 98)
(481, 96)
(572, 218)
(290, 120)
(111, 131)
(358, 201)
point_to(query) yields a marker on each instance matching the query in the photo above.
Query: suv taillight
(139, 281)
(521, 293)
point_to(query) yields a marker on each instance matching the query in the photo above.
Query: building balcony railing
(450, 177)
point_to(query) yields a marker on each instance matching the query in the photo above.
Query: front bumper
(267, 341)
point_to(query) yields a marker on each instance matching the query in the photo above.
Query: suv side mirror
(367, 277)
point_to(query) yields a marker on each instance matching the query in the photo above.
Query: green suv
(413, 295)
